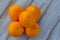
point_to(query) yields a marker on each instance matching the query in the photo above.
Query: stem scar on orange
(32, 31)
(36, 10)
(27, 19)
(14, 12)
(15, 29)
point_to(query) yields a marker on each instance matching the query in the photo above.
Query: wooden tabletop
(49, 22)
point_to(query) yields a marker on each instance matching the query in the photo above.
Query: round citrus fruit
(15, 11)
(36, 10)
(15, 29)
(32, 31)
(27, 19)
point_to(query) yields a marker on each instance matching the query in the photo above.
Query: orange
(15, 11)
(32, 31)
(36, 10)
(27, 19)
(15, 29)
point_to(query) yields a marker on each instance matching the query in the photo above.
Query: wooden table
(50, 19)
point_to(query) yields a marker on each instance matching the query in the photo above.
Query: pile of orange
(24, 20)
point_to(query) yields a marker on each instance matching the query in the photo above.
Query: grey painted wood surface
(50, 19)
